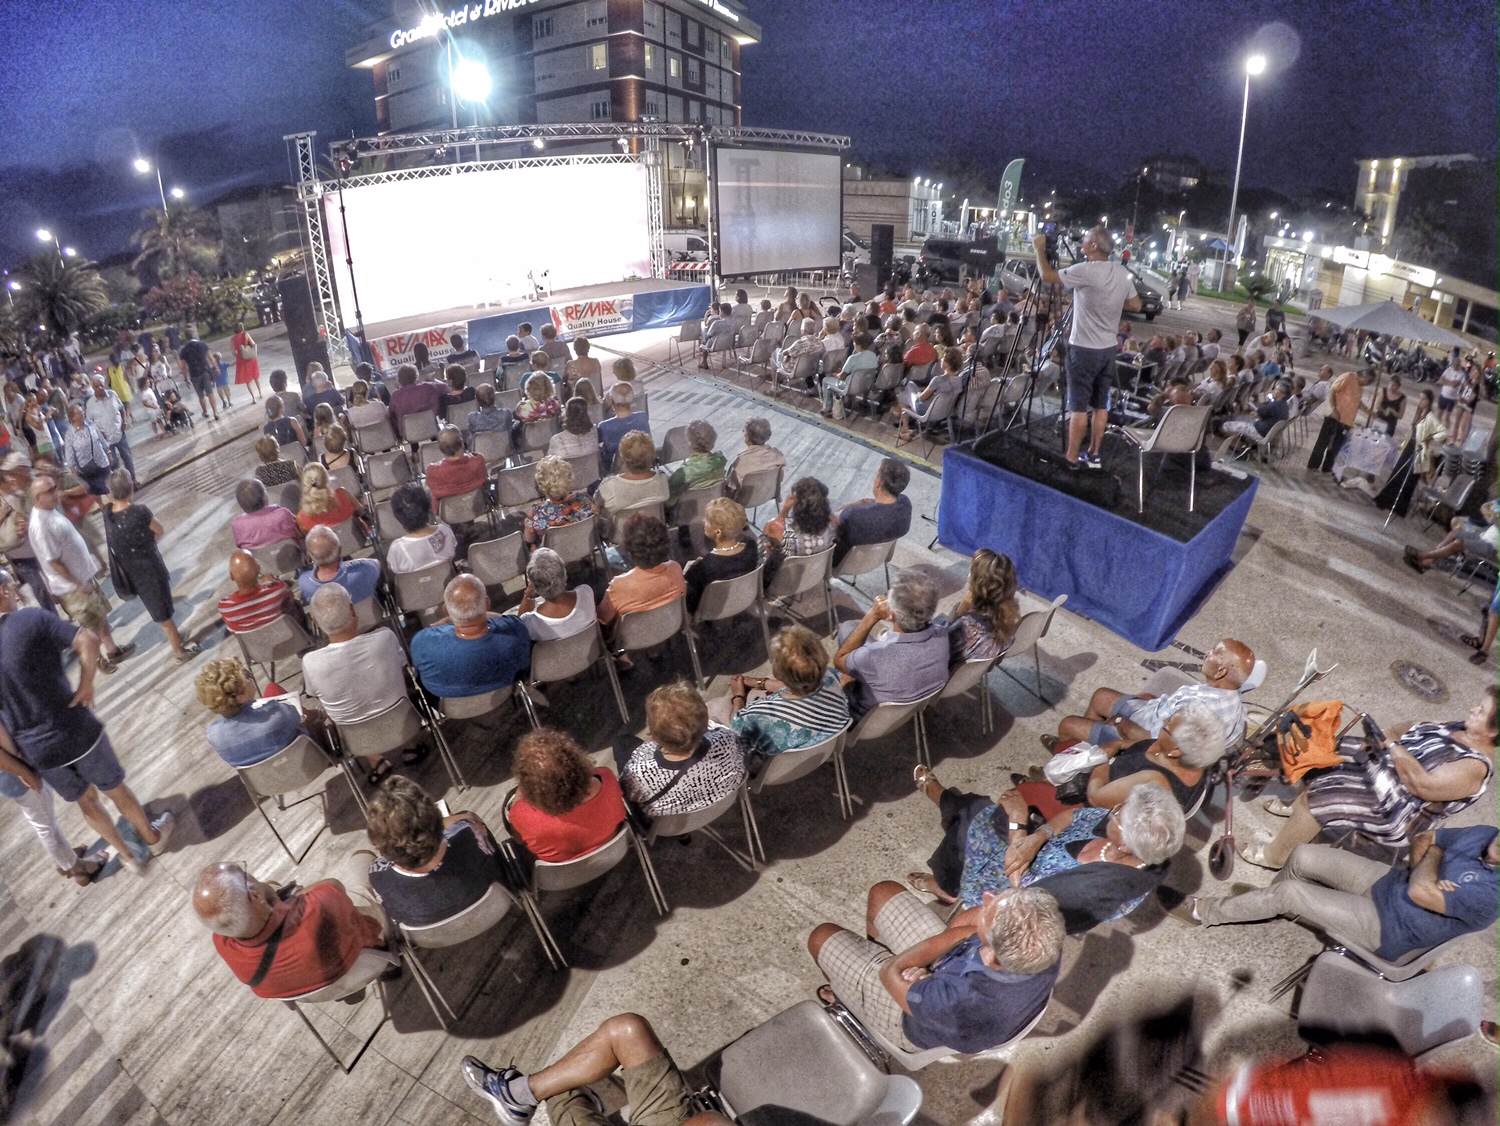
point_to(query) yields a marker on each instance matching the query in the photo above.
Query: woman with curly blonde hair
(562, 501)
(563, 805)
(322, 503)
(984, 622)
(249, 730)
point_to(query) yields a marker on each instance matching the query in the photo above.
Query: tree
(175, 242)
(188, 298)
(59, 295)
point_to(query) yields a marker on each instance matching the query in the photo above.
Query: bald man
(284, 948)
(1116, 715)
(257, 600)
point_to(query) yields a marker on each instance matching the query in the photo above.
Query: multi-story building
(551, 61)
(1381, 181)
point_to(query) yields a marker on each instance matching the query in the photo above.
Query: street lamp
(178, 193)
(143, 166)
(44, 235)
(1254, 65)
(1136, 207)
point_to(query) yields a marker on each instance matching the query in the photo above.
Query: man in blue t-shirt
(879, 519)
(358, 576)
(474, 652)
(1450, 887)
(971, 985)
(626, 418)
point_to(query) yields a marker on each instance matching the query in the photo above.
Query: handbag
(119, 578)
(248, 350)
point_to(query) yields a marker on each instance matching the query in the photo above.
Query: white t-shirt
(356, 679)
(412, 553)
(1450, 381)
(52, 536)
(1100, 290)
(584, 615)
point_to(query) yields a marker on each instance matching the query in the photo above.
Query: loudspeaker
(302, 331)
(882, 249)
(868, 279)
(1043, 462)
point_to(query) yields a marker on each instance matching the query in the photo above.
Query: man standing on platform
(1345, 397)
(1101, 291)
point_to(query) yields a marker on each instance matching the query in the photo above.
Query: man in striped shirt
(257, 600)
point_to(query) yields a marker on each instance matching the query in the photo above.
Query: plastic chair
(473, 707)
(347, 479)
(585, 469)
(646, 629)
(674, 447)
(275, 641)
(376, 438)
(494, 446)
(495, 562)
(939, 412)
(536, 436)
(761, 351)
(423, 589)
(858, 389)
(456, 414)
(802, 377)
(567, 657)
(469, 923)
(464, 508)
(971, 674)
(294, 453)
(864, 558)
(284, 557)
(370, 614)
(564, 875)
(1345, 1000)
(420, 426)
(516, 487)
(789, 766)
(689, 332)
(387, 527)
(760, 488)
(1030, 630)
(885, 384)
(367, 970)
(387, 471)
(804, 1062)
(691, 505)
(722, 344)
(799, 574)
(698, 821)
(290, 769)
(577, 542)
(351, 539)
(510, 399)
(1453, 498)
(400, 725)
(428, 455)
(729, 598)
(886, 716)
(1180, 431)
(915, 1061)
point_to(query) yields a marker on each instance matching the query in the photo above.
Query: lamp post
(1135, 210)
(143, 166)
(45, 235)
(1254, 65)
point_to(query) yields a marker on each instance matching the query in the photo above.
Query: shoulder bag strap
(676, 778)
(268, 955)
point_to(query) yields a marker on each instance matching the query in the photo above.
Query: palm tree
(59, 295)
(174, 242)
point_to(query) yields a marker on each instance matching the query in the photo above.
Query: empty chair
(469, 923)
(368, 969)
(495, 562)
(1345, 1000)
(971, 673)
(385, 472)
(464, 508)
(419, 426)
(345, 477)
(293, 768)
(494, 446)
(689, 332)
(567, 657)
(510, 400)
(800, 574)
(370, 613)
(919, 373)
(577, 542)
(761, 353)
(886, 717)
(788, 766)
(863, 558)
(456, 414)
(1179, 431)
(674, 447)
(729, 598)
(647, 629)
(422, 590)
(1030, 630)
(655, 508)
(376, 438)
(275, 641)
(516, 487)
(284, 557)
(428, 454)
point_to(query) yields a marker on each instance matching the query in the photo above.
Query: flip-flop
(826, 995)
(1471, 640)
(380, 772)
(412, 757)
(924, 883)
(1479, 658)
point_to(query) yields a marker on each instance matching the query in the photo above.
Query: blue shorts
(99, 768)
(1091, 376)
(1126, 707)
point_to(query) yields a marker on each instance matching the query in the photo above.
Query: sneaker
(163, 823)
(121, 652)
(495, 1086)
(1091, 461)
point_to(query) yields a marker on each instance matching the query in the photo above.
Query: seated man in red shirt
(284, 948)
(921, 350)
(257, 599)
(459, 472)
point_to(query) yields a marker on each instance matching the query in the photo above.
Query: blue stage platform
(1130, 578)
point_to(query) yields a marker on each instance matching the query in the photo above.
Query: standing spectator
(197, 363)
(15, 521)
(37, 807)
(70, 570)
(246, 363)
(1244, 320)
(1345, 396)
(221, 380)
(1449, 384)
(105, 410)
(51, 735)
(1275, 318)
(132, 531)
(85, 452)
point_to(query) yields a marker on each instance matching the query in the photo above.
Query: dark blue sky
(1071, 84)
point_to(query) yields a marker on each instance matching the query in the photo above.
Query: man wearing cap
(48, 735)
(15, 523)
(197, 363)
(105, 411)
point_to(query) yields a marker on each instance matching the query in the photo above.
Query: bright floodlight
(43, 234)
(1255, 64)
(471, 80)
(70, 252)
(15, 285)
(178, 193)
(142, 165)
(538, 143)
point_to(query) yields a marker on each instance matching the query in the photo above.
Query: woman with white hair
(549, 610)
(1099, 864)
(703, 466)
(562, 501)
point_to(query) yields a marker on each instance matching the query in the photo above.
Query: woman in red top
(563, 806)
(322, 504)
(246, 365)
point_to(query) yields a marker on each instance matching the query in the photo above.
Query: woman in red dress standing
(246, 366)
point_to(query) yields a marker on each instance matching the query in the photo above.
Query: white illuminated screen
(469, 238)
(778, 210)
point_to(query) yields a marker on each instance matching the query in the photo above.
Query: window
(541, 27)
(596, 15)
(692, 70)
(674, 67)
(599, 110)
(393, 74)
(650, 56)
(652, 15)
(694, 29)
(598, 56)
(653, 107)
(692, 111)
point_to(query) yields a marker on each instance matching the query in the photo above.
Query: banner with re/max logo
(611, 314)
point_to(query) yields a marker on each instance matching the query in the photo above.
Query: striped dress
(1371, 798)
(780, 722)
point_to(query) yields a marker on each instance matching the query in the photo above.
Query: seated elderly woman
(906, 658)
(758, 456)
(427, 541)
(249, 730)
(563, 805)
(1099, 864)
(685, 765)
(731, 555)
(985, 619)
(324, 504)
(805, 525)
(578, 438)
(274, 469)
(563, 502)
(703, 466)
(1426, 775)
(260, 524)
(1478, 538)
(799, 704)
(549, 610)
(639, 482)
(653, 580)
(431, 867)
(914, 401)
(539, 402)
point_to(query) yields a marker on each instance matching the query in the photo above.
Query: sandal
(412, 757)
(379, 773)
(1255, 853)
(1277, 807)
(924, 883)
(1471, 641)
(189, 651)
(90, 864)
(1479, 658)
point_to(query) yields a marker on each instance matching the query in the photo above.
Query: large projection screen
(777, 211)
(469, 238)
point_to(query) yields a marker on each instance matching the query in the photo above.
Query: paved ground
(140, 1022)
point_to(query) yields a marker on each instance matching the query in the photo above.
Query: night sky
(1083, 88)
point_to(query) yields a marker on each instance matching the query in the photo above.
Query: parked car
(1150, 299)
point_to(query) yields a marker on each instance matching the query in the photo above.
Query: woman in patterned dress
(1432, 772)
(685, 765)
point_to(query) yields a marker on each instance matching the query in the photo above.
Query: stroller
(175, 416)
